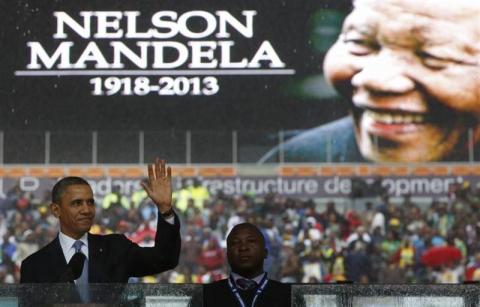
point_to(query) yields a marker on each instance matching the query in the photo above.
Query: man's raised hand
(159, 186)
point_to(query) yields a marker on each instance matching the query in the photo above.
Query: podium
(191, 295)
(384, 295)
(66, 295)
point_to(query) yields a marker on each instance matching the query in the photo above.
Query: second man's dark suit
(218, 294)
(112, 258)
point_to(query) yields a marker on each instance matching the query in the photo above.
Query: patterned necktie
(246, 284)
(82, 281)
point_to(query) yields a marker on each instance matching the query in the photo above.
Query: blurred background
(323, 222)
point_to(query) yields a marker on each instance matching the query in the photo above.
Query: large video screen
(383, 81)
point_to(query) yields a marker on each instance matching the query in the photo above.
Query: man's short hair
(60, 187)
(248, 225)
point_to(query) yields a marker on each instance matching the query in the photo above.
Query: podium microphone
(74, 268)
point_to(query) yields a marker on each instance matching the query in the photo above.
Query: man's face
(246, 251)
(412, 72)
(76, 210)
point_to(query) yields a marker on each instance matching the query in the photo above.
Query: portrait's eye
(359, 45)
(432, 61)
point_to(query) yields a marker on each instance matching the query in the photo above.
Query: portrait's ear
(54, 208)
(266, 254)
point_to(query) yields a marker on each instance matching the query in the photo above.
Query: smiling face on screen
(412, 73)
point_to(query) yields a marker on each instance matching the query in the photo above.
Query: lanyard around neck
(234, 289)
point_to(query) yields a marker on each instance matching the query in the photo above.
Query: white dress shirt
(67, 245)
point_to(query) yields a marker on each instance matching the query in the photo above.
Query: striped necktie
(82, 281)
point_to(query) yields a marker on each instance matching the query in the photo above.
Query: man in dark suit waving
(75, 255)
(247, 285)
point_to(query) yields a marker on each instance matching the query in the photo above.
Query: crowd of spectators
(308, 242)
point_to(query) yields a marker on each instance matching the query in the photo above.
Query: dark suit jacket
(218, 294)
(112, 258)
(332, 142)
(312, 145)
